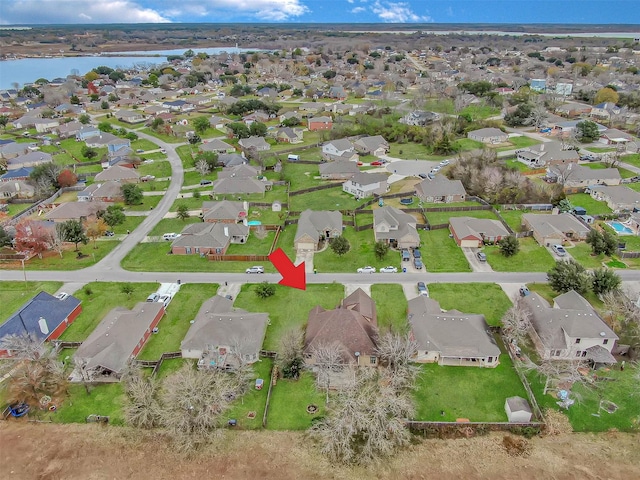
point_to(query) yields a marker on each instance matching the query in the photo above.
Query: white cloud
(270, 10)
(399, 12)
(358, 10)
(66, 11)
(350, 1)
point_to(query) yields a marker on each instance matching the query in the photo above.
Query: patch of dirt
(49, 451)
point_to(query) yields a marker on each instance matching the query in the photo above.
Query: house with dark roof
(43, 317)
(224, 337)
(353, 325)
(395, 228)
(547, 153)
(450, 337)
(363, 185)
(315, 226)
(209, 238)
(440, 189)
(117, 340)
(18, 174)
(571, 329)
(474, 232)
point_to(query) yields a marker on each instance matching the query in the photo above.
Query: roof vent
(602, 334)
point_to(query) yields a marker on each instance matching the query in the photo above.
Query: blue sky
(319, 11)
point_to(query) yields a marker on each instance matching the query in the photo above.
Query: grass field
(254, 400)
(519, 142)
(104, 399)
(70, 260)
(633, 159)
(513, 218)
(593, 207)
(289, 401)
(148, 203)
(167, 225)
(301, 176)
(174, 325)
(331, 199)
(581, 252)
(159, 168)
(391, 305)
(487, 299)
(15, 294)
(438, 218)
(102, 298)
(288, 308)
(530, 258)
(164, 138)
(447, 393)
(516, 165)
(441, 253)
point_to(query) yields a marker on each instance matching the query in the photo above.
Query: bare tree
(290, 359)
(559, 371)
(397, 353)
(329, 361)
(260, 232)
(366, 422)
(623, 315)
(538, 115)
(516, 322)
(202, 167)
(142, 409)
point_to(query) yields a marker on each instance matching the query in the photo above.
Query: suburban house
(289, 135)
(19, 174)
(554, 229)
(239, 171)
(564, 129)
(130, 116)
(570, 330)
(364, 185)
(338, 170)
(440, 189)
(224, 212)
(67, 130)
(488, 135)
(224, 337)
(101, 140)
(312, 107)
(320, 123)
(419, 118)
(544, 154)
(475, 232)
(573, 109)
(218, 122)
(87, 131)
(119, 174)
(178, 106)
(232, 159)
(31, 159)
(75, 211)
(218, 146)
(315, 226)
(395, 228)
(43, 317)
(450, 338)
(613, 136)
(209, 238)
(337, 92)
(618, 198)
(375, 145)
(338, 148)
(575, 178)
(117, 339)
(352, 325)
(257, 143)
(110, 191)
(604, 111)
(16, 189)
(240, 185)
(45, 124)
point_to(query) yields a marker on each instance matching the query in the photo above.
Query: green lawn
(516, 165)
(487, 299)
(154, 186)
(167, 225)
(581, 252)
(439, 218)
(15, 208)
(391, 305)
(633, 159)
(412, 151)
(164, 138)
(530, 258)
(74, 149)
(191, 203)
(519, 142)
(289, 401)
(106, 399)
(254, 245)
(477, 394)
(148, 203)
(289, 307)
(593, 207)
(15, 294)
(331, 199)
(601, 149)
(193, 178)
(70, 260)
(104, 297)
(174, 325)
(254, 400)
(130, 224)
(159, 168)
(143, 144)
(301, 176)
(513, 218)
(285, 240)
(441, 253)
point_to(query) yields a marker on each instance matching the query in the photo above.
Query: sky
(319, 11)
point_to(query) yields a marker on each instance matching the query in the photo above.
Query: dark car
(417, 263)
(422, 289)
(206, 182)
(416, 253)
(422, 175)
(109, 233)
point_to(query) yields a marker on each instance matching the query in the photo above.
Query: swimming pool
(253, 223)
(620, 228)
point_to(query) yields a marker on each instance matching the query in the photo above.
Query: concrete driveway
(305, 256)
(564, 258)
(512, 290)
(475, 264)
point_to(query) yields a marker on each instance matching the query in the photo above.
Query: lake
(27, 70)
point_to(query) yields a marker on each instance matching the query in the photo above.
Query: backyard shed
(518, 409)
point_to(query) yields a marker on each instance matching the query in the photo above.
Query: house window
(373, 360)
(584, 353)
(489, 359)
(577, 341)
(188, 250)
(605, 341)
(197, 249)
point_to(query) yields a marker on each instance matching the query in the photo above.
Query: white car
(436, 169)
(170, 236)
(165, 299)
(444, 163)
(62, 296)
(389, 269)
(559, 249)
(367, 269)
(255, 269)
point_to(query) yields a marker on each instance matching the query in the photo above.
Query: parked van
(293, 158)
(170, 236)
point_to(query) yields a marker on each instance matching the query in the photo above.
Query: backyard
(70, 260)
(289, 402)
(487, 299)
(439, 218)
(254, 400)
(593, 207)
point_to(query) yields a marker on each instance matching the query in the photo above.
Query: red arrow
(292, 276)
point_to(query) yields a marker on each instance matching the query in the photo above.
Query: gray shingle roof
(477, 227)
(314, 223)
(439, 186)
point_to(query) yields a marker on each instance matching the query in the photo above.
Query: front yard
(391, 305)
(70, 260)
(15, 294)
(530, 258)
(440, 253)
(487, 299)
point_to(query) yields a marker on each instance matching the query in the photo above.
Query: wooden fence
(237, 258)
(464, 429)
(315, 189)
(156, 364)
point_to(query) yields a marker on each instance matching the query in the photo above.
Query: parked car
(162, 150)
(406, 256)
(423, 175)
(377, 163)
(139, 150)
(62, 296)
(205, 182)
(436, 169)
(422, 289)
(389, 269)
(165, 299)
(170, 236)
(416, 253)
(431, 175)
(109, 233)
(406, 201)
(524, 291)
(444, 163)
(153, 297)
(559, 250)
(367, 269)
(147, 178)
(255, 269)
(359, 164)
(148, 162)
(481, 256)
(417, 263)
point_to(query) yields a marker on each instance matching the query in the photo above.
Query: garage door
(306, 247)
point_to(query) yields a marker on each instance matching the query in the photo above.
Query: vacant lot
(440, 253)
(530, 258)
(70, 259)
(485, 298)
(15, 294)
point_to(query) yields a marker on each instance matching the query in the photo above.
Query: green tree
(239, 130)
(210, 157)
(84, 119)
(509, 245)
(105, 127)
(72, 231)
(201, 124)
(5, 239)
(88, 152)
(604, 280)
(182, 212)
(564, 206)
(570, 275)
(258, 129)
(265, 290)
(127, 289)
(610, 243)
(114, 215)
(596, 240)
(340, 245)
(380, 249)
(4, 120)
(104, 105)
(195, 139)
(606, 94)
(157, 123)
(132, 194)
(587, 131)
(74, 100)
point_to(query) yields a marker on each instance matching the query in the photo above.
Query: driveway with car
(476, 265)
